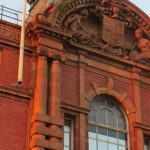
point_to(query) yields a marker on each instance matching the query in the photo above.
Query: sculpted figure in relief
(144, 47)
(75, 25)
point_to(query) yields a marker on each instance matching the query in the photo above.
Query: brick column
(136, 93)
(47, 125)
(55, 101)
(56, 140)
(55, 89)
(40, 101)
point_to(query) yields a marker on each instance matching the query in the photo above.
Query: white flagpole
(22, 41)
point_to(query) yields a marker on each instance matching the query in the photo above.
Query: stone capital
(51, 53)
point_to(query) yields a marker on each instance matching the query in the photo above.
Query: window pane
(117, 111)
(122, 148)
(146, 147)
(67, 134)
(66, 129)
(99, 101)
(112, 146)
(111, 119)
(92, 115)
(112, 136)
(66, 148)
(102, 134)
(110, 104)
(102, 117)
(92, 131)
(101, 145)
(67, 126)
(146, 144)
(121, 122)
(92, 144)
(66, 139)
(107, 119)
(122, 139)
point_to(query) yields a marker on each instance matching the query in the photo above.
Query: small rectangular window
(68, 132)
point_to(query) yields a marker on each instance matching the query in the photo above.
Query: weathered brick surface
(69, 84)
(9, 68)
(145, 105)
(13, 124)
(101, 80)
(121, 87)
(91, 77)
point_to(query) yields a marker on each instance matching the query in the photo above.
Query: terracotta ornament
(144, 47)
(116, 10)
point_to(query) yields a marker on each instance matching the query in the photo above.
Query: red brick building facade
(86, 78)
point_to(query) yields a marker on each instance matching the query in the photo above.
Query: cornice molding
(142, 126)
(139, 15)
(43, 28)
(74, 108)
(96, 53)
(14, 93)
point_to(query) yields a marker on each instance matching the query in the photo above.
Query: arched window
(107, 125)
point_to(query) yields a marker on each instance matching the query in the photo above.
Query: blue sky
(143, 4)
(17, 4)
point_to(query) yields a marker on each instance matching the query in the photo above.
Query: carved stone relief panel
(106, 25)
(142, 48)
(84, 27)
(106, 33)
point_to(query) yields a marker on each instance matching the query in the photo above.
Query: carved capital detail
(42, 52)
(56, 55)
(51, 53)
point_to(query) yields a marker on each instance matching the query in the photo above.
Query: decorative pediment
(126, 10)
(110, 26)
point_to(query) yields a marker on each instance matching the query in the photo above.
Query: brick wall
(13, 124)
(69, 84)
(145, 105)
(9, 68)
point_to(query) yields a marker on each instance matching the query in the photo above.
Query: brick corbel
(46, 144)
(47, 119)
(46, 131)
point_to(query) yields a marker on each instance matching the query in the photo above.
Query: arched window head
(107, 125)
